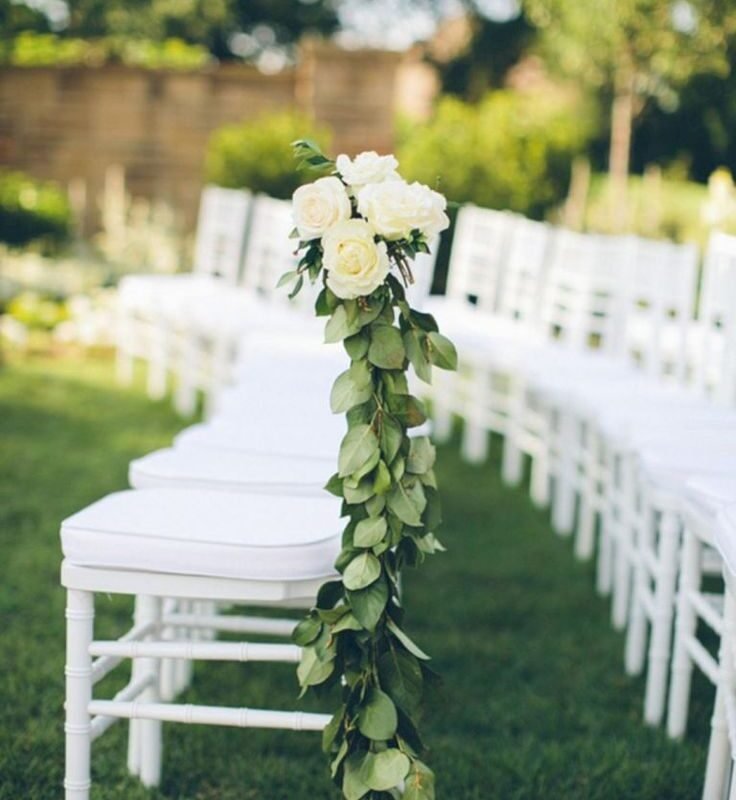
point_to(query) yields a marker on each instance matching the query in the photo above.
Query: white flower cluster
(358, 213)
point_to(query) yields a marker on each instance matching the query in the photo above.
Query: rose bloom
(396, 208)
(319, 205)
(365, 168)
(356, 265)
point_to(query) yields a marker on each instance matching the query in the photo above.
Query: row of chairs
(232, 514)
(613, 373)
(187, 327)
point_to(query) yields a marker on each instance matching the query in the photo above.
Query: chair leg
(636, 635)
(512, 463)
(80, 625)
(539, 482)
(661, 638)
(626, 523)
(585, 534)
(150, 730)
(685, 628)
(606, 544)
(718, 763)
(563, 504)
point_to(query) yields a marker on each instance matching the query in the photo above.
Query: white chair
(705, 495)
(157, 543)
(147, 303)
(720, 773)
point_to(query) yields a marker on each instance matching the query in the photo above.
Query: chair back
(269, 253)
(581, 300)
(714, 354)
(523, 274)
(660, 293)
(222, 226)
(478, 255)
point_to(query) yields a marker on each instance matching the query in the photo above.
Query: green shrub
(671, 208)
(512, 150)
(257, 155)
(31, 49)
(31, 211)
(37, 311)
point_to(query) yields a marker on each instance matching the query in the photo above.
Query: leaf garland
(354, 636)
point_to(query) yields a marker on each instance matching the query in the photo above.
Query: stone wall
(70, 124)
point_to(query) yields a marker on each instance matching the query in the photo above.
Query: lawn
(535, 703)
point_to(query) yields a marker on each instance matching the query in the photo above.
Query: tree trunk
(622, 116)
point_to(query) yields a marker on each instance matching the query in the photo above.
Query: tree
(228, 28)
(636, 50)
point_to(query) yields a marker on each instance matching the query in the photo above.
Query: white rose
(366, 168)
(355, 263)
(319, 205)
(397, 208)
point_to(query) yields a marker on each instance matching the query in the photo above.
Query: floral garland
(353, 226)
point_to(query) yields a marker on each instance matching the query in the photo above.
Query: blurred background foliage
(509, 150)
(641, 93)
(32, 211)
(258, 154)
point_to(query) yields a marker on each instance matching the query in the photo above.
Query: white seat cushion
(228, 470)
(207, 533)
(712, 491)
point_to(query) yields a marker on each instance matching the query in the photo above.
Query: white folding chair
(160, 543)
(148, 305)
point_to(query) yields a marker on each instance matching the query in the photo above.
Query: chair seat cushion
(207, 533)
(229, 470)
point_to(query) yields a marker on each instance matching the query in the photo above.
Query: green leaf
(367, 467)
(339, 758)
(433, 514)
(356, 346)
(297, 287)
(370, 531)
(407, 501)
(334, 485)
(392, 435)
(397, 468)
(383, 771)
(362, 571)
(401, 677)
(306, 631)
(419, 783)
(329, 594)
(386, 348)
(311, 670)
(422, 455)
(406, 641)
(349, 622)
(353, 785)
(329, 734)
(357, 448)
(338, 326)
(414, 345)
(407, 409)
(348, 392)
(375, 505)
(369, 604)
(287, 277)
(377, 718)
(360, 494)
(425, 321)
(382, 480)
(370, 311)
(441, 351)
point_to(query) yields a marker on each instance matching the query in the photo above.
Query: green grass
(535, 703)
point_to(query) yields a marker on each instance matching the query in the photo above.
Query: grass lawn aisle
(536, 704)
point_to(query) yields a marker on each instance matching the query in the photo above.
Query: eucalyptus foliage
(355, 636)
